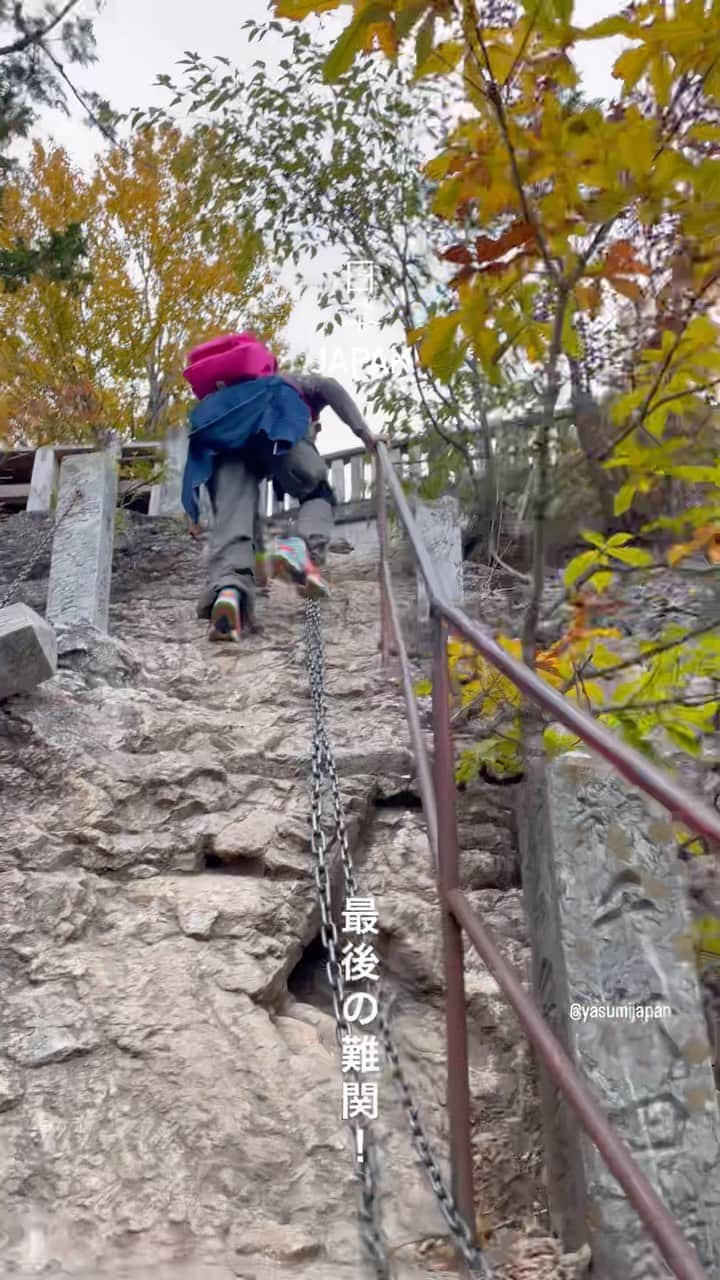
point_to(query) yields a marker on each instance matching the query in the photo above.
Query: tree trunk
(587, 421)
(483, 517)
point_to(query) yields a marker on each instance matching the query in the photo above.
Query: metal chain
(459, 1229)
(367, 1170)
(323, 765)
(40, 546)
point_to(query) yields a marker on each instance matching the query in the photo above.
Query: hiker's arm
(337, 399)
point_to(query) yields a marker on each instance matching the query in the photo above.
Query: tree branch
(540, 499)
(494, 96)
(107, 133)
(639, 658)
(38, 35)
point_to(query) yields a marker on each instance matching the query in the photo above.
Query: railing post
(458, 1087)
(382, 539)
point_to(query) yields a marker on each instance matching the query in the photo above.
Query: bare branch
(37, 35)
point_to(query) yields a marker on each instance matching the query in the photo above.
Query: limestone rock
(28, 650)
(170, 1086)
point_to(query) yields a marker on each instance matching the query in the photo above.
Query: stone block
(337, 474)
(81, 564)
(28, 650)
(613, 966)
(438, 524)
(43, 482)
(166, 497)
(357, 478)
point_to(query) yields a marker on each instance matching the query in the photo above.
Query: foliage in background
(548, 198)
(586, 245)
(165, 270)
(319, 166)
(37, 50)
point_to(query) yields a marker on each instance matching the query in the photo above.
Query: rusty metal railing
(437, 788)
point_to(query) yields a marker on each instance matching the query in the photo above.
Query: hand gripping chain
(323, 771)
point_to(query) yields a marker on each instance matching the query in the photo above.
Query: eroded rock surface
(169, 1079)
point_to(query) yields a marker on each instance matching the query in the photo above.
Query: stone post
(43, 482)
(357, 477)
(28, 650)
(166, 497)
(81, 564)
(609, 921)
(337, 473)
(439, 527)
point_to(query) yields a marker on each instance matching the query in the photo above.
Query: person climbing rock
(253, 422)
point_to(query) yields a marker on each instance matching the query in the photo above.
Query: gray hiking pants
(235, 533)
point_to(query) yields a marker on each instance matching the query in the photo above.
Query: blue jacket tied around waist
(228, 419)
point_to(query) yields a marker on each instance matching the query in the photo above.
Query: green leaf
(447, 198)
(448, 361)
(603, 657)
(631, 65)
(623, 498)
(578, 565)
(706, 933)
(439, 336)
(601, 581)
(424, 39)
(443, 58)
(683, 737)
(635, 738)
(631, 555)
(557, 740)
(695, 517)
(406, 19)
(423, 688)
(548, 12)
(342, 55)
(299, 9)
(694, 475)
(612, 26)
(596, 539)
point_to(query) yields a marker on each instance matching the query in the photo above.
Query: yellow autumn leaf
(631, 66)
(705, 539)
(448, 197)
(588, 295)
(299, 9)
(439, 166)
(383, 35)
(511, 645)
(443, 59)
(80, 359)
(353, 40)
(439, 335)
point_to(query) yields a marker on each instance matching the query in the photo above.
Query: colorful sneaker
(291, 561)
(226, 619)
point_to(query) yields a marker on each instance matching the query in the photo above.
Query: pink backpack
(234, 357)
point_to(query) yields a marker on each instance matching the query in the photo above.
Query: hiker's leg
(303, 474)
(261, 571)
(233, 494)
(315, 527)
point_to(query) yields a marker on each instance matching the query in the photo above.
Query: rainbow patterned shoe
(226, 619)
(290, 560)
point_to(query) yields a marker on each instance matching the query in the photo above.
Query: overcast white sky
(138, 39)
